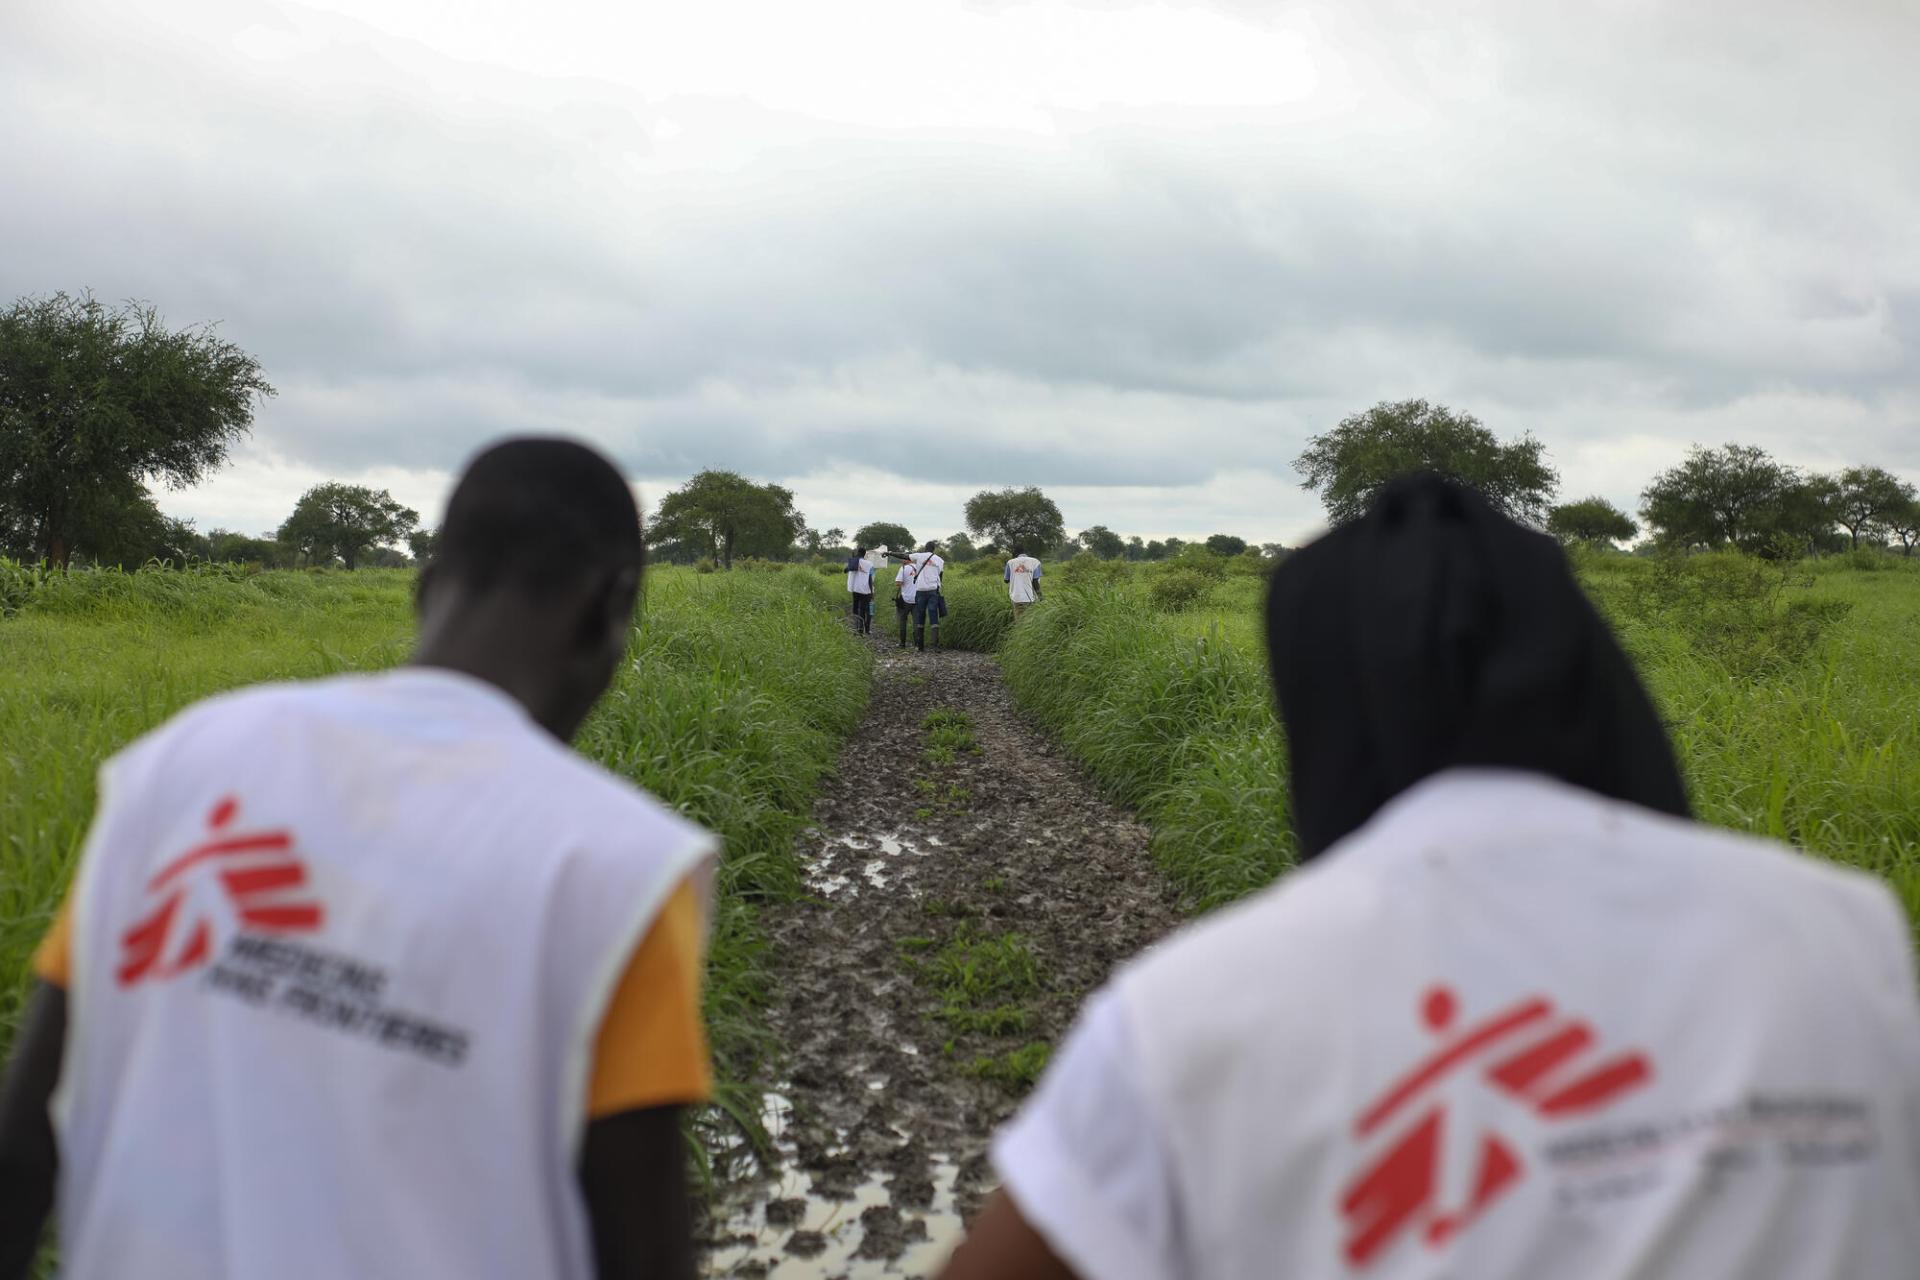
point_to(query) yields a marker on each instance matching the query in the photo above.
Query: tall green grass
(1793, 699)
(739, 691)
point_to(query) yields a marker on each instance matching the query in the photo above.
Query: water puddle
(860, 859)
(789, 1232)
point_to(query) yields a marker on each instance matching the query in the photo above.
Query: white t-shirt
(860, 580)
(1022, 573)
(903, 578)
(930, 567)
(1509, 1030)
(341, 953)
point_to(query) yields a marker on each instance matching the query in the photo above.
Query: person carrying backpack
(925, 567)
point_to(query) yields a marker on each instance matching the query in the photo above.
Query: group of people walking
(917, 596)
(372, 976)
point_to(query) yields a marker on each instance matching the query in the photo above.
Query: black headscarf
(1434, 632)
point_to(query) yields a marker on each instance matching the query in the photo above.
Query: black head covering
(1434, 632)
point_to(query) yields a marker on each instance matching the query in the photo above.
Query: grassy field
(1793, 698)
(741, 688)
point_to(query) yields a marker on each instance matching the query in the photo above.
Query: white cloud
(883, 253)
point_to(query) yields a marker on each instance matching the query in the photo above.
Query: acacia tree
(1010, 518)
(1903, 522)
(882, 533)
(722, 512)
(1348, 465)
(94, 401)
(1590, 520)
(1226, 544)
(1864, 496)
(1716, 497)
(1103, 542)
(350, 521)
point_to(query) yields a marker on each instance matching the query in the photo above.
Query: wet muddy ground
(969, 888)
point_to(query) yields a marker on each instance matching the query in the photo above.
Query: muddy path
(969, 887)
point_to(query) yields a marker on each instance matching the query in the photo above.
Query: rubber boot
(903, 631)
(936, 635)
(920, 637)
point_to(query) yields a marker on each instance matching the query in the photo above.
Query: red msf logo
(1525, 1052)
(258, 877)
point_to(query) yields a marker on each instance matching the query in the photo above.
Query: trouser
(926, 607)
(863, 611)
(1020, 607)
(903, 609)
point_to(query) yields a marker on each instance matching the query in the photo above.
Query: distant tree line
(1735, 495)
(98, 402)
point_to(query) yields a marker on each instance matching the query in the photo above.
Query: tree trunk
(58, 552)
(726, 550)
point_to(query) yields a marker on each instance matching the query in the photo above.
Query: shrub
(1728, 608)
(705, 564)
(1178, 589)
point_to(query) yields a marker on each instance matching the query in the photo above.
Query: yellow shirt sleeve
(53, 960)
(652, 1047)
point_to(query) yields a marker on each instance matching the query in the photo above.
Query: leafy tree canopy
(1352, 462)
(959, 548)
(1024, 519)
(1903, 523)
(94, 401)
(894, 537)
(1103, 542)
(721, 513)
(346, 521)
(1225, 544)
(1731, 494)
(1864, 498)
(1590, 520)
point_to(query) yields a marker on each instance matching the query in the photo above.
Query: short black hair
(538, 512)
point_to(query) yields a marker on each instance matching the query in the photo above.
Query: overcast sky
(890, 252)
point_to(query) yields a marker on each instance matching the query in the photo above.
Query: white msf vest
(1510, 1031)
(341, 952)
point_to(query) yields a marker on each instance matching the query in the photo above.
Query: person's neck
(508, 658)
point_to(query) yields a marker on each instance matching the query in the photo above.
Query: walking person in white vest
(372, 976)
(1516, 1018)
(1022, 576)
(923, 569)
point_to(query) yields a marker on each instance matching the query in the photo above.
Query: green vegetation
(979, 980)
(1789, 690)
(949, 736)
(739, 693)
(1018, 1069)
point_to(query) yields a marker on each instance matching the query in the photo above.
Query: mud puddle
(968, 887)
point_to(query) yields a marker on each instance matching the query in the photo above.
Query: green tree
(1863, 498)
(959, 548)
(1024, 518)
(423, 543)
(129, 533)
(723, 513)
(894, 537)
(1352, 462)
(229, 547)
(1590, 520)
(95, 401)
(1103, 542)
(348, 521)
(1903, 522)
(1155, 550)
(1274, 550)
(1136, 549)
(1716, 497)
(1225, 544)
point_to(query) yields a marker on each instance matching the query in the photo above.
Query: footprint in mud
(959, 912)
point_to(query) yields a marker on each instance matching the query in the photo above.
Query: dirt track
(921, 869)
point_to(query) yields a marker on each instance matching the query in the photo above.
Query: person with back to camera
(1517, 1017)
(903, 594)
(924, 568)
(372, 976)
(860, 586)
(1022, 576)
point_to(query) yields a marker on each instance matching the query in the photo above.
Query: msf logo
(1525, 1052)
(250, 878)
